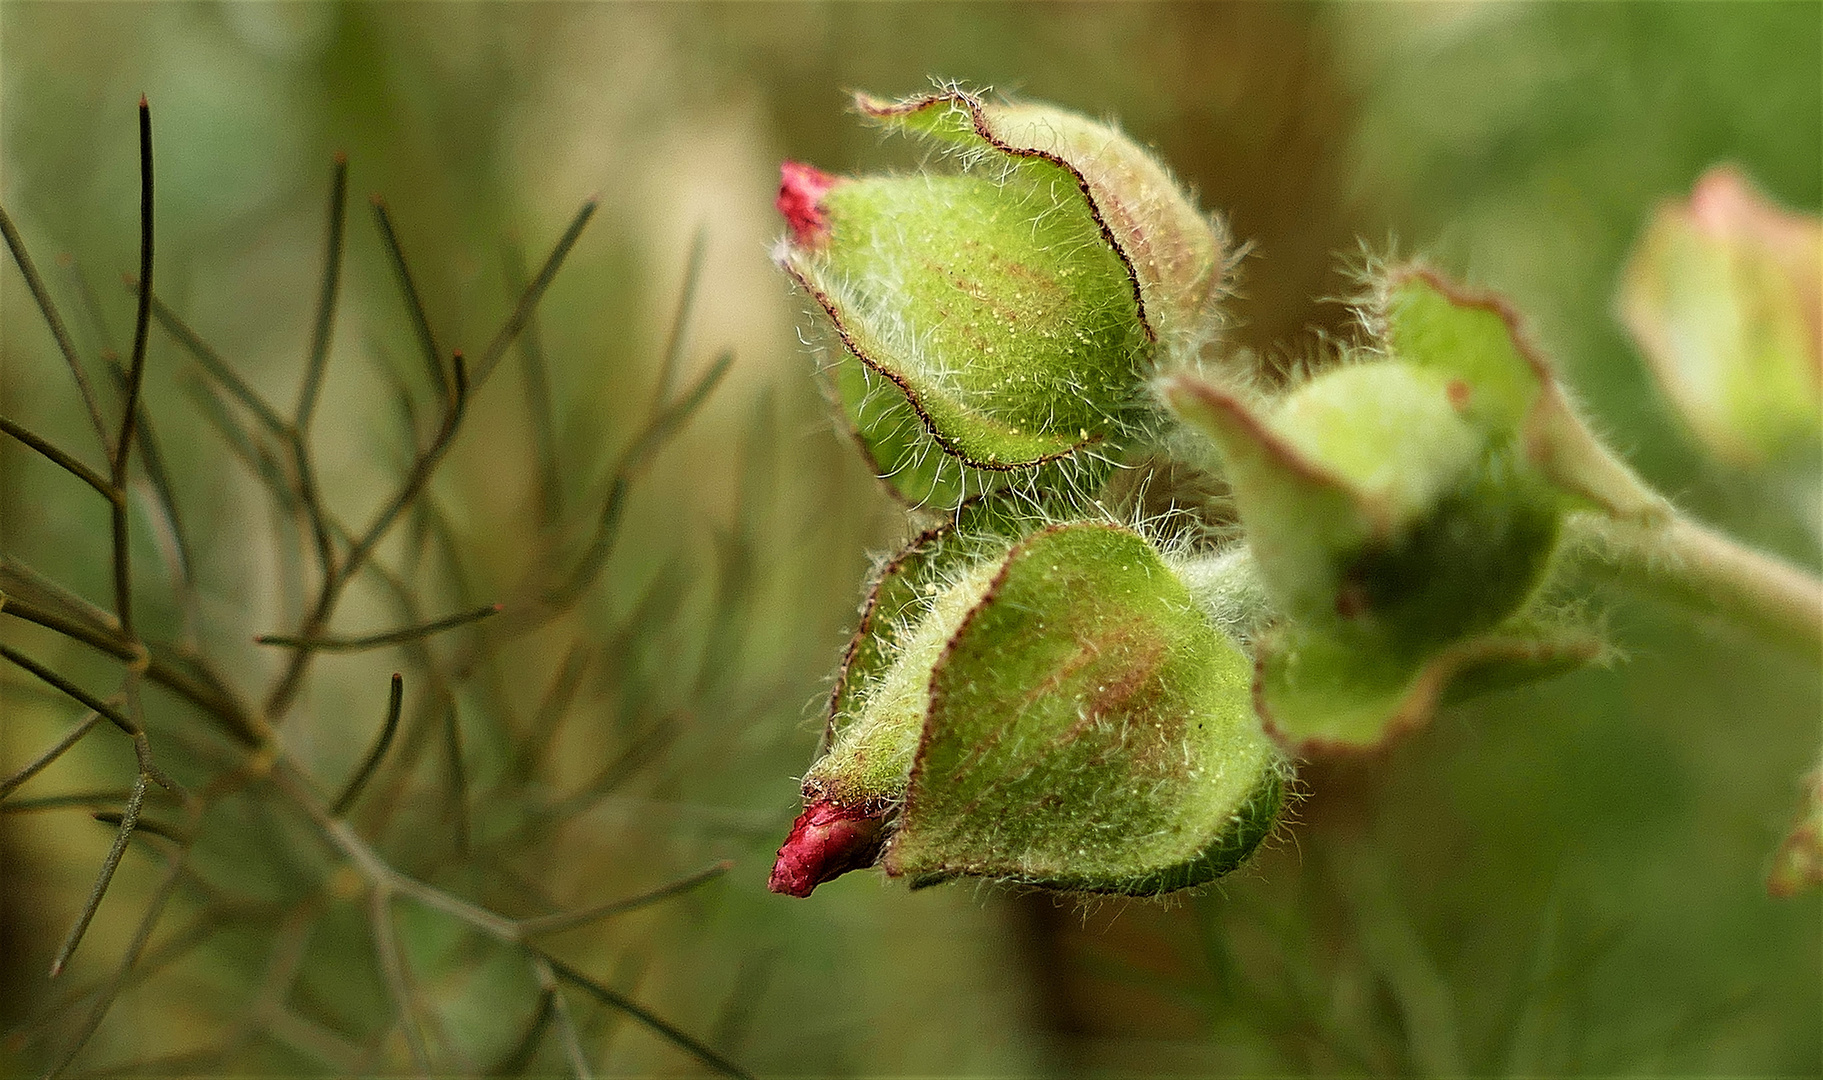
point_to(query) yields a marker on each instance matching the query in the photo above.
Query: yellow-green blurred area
(1560, 879)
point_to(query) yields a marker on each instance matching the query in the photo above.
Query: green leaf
(1087, 730)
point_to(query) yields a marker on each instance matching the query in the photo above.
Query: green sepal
(1273, 483)
(990, 311)
(905, 587)
(1087, 730)
(1475, 345)
(1328, 692)
(1174, 253)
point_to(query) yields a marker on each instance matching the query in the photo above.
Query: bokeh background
(1560, 879)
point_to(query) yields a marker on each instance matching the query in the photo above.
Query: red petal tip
(826, 842)
(801, 189)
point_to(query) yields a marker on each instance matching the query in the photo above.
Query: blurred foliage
(1560, 879)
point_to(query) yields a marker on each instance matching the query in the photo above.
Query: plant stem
(1692, 565)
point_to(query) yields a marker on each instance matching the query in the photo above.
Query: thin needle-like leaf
(458, 774)
(61, 333)
(519, 1058)
(218, 368)
(386, 637)
(680, 319)
(128, 819)
(259, 459)
(57, 457)
(554, 706)
(653, 1022)
(56, 750)
(65, 801)
(358, 781)
(537, 379)
(318, 357)
(528, 300)
(110, 990)
(118, 718)
(569, 920)
(414, 304)
(664, 423)
(144, 825)
(136, 371)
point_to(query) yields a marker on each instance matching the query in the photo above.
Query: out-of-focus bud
(997, 325)
(1403, 514)
(1058, 714)
(1724, 296)
(1798, 865)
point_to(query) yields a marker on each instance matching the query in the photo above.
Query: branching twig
(398, 980)
(566, 1024)
(37, 602)
(152, 460)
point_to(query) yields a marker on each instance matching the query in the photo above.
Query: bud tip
(826, 842)
(801, 188)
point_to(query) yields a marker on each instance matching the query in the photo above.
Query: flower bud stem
(1679, 560)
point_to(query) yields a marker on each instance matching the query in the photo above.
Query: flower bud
(1724, 296)
(1798, 864)
(997, 325)
(1403, 514)
(1059, 714)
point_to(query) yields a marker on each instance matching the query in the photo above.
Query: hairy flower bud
(1403, 513)
(1058, 714)
(997, 325)
(1724, 295)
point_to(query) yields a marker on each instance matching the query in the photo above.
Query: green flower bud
(1724, 296)
(1057, 714)
(1403, 515)
(997, 325)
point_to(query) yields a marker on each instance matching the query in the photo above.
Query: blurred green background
(1565, 878)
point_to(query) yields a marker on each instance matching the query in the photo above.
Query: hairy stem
(1694, 566)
